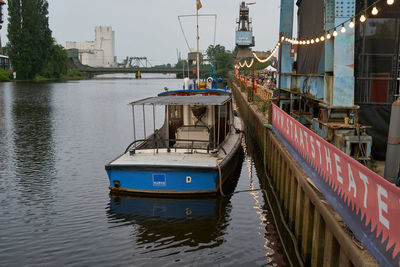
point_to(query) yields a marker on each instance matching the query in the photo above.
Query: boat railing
(132, 147)
(197, 126)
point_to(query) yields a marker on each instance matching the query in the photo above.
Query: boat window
(175, 112)
(223, 111)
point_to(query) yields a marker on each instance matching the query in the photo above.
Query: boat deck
(180, 157)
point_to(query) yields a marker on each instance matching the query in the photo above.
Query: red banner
(368, 195)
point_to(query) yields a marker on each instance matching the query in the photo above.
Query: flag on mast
(199, 5)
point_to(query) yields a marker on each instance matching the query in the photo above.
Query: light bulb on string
(374, 11)
(283, 38)
(308, 42)
(390, 2)
(351, 24)
(363, 18)
(334, 33)
(312, 41)
(328, 36)
(343, 29)
(317, 40)
(322, 38)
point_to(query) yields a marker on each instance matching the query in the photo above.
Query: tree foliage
(212, 51)
(220, 59)
(30, 44)
(57, 63)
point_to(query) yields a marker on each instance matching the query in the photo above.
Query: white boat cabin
(191, 122)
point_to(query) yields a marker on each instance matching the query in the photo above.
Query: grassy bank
(7, 76)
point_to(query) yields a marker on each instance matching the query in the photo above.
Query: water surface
(55, 139)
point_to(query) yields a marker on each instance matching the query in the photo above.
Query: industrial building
(97, 53)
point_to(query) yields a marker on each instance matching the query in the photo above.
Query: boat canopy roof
(216, 100)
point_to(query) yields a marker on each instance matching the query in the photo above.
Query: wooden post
(317, 249)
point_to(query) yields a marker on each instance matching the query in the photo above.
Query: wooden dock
(321, 234)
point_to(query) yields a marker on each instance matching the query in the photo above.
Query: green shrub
(5, 75)
(75, 74)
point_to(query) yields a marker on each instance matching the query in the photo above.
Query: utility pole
(197, 51)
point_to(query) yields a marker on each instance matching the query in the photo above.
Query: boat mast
(197, 52)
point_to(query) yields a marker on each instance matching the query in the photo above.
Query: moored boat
(194, 152)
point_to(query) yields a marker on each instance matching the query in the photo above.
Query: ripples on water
(55, 139)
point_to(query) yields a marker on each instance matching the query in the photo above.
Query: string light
(343, 29)
(374, 11)
(269, 57)
(251, 64)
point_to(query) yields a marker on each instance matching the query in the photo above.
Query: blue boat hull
(163, 181)
(167, 180)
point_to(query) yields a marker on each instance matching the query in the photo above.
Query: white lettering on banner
(287, 126)
(382, 205)
(368, 193)
(338, 168)
(306, 137)
(291, 129)
(312, 146)
(328, 160)
(319, 149)
(352, 183)
(301, 138)
(365, 180)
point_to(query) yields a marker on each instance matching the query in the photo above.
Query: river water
(55, 139)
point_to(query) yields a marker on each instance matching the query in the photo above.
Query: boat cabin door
(175, 120)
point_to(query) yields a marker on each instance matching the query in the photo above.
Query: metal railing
(154, 142)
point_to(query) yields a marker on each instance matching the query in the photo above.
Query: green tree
(213, 51)
(29, 36)
(57, 63)
(181, 64)
(223, 64)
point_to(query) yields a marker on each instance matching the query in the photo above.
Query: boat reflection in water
(167, 226)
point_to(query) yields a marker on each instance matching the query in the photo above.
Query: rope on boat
(220, 179)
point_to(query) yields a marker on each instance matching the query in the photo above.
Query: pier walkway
(340, 212)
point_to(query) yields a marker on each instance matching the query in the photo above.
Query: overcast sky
(151, 28)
